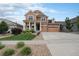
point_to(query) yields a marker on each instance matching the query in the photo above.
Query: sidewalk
(26, 42)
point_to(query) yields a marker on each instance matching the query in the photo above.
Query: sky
(16, 11)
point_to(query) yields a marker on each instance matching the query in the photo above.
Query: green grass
(22, 36)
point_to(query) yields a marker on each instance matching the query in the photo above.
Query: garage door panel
(44, 28)
(53, 29)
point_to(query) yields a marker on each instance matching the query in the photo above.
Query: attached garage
(44, 28)
(53, 28)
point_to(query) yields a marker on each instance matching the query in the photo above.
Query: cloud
(18, 10)
(40, 7)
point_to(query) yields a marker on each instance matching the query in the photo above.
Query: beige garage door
(53, 30)
(44, 28)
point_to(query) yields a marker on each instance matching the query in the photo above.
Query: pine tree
(68, 24)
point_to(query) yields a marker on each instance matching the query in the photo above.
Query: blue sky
(15, 12)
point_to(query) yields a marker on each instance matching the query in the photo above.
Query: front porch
(36, 26)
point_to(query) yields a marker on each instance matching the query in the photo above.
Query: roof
(38, 11)
(30, 11)
(9, 22)
(60, 21)
(57, 22)
(73, 20)
(35, 12)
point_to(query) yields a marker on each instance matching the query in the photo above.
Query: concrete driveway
(62, 44)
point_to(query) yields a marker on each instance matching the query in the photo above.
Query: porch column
(40, 26)
(29, 26)
(24, 26)
(34, 26)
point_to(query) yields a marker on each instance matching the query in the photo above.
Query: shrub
(27, 30)
(32, 30)
(20, 44)
(8, 52)
(1, 46)
(26, 51)
(3, 27)
(16, 31)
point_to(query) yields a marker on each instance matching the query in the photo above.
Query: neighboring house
(11, 24)
(73, 21)
(62, 25)
(39, 22)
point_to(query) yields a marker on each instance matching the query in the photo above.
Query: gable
(29, 13)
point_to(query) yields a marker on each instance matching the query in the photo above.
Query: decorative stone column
(29, 26)
(40, 25)
(24, 26)
(34, 26)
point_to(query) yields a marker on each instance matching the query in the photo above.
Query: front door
(37, 26)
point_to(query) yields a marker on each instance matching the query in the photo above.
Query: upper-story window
(30, 17)
(43, 18)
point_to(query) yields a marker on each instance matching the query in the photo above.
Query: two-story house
(39, 22)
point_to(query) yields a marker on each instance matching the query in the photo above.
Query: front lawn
(22, 36)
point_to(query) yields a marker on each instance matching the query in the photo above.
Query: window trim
(43, 19)
(31, 18)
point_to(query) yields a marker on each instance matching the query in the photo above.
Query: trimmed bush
(20, 44)
(16, 31)
(27, 30)
(26, 51)
(2, 46)
(32, 30)
(8, 52)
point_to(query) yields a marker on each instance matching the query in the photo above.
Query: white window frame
(29, 18)
(43, 19)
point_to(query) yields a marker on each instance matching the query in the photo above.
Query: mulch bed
(37, 50)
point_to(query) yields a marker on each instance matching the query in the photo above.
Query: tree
(68, 24)
(3, 27)
(61, 27)
(77, 22)
(53, 19)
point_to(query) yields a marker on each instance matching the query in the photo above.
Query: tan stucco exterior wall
(45, 27)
